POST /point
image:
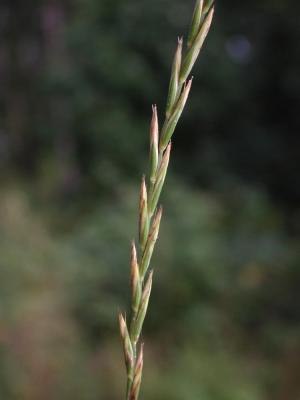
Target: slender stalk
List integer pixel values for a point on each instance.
(149, 212)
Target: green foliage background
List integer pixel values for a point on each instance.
(77, 82)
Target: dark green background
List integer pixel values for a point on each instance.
(77, 82)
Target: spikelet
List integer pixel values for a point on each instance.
(194, 51)
(139, 320)
(143, 214)
(153, 235)
(161, 175)
(153, 144)
(137, 379)
(196, 21)
(127, 346)
(136, 286)
(174, 81)
(170, 125)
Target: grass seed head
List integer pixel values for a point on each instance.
(149, 215)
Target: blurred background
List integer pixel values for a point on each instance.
(77, 82)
